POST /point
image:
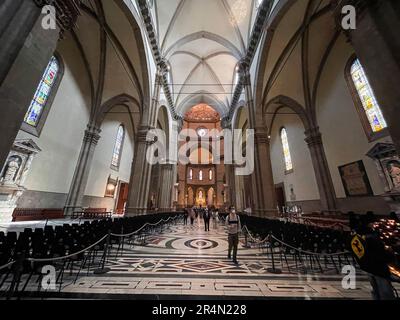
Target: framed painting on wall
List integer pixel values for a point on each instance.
(355, 180)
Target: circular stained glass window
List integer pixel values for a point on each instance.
(202, 132)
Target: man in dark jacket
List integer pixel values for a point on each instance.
(207, 217)
(185, 216)
(374, 258)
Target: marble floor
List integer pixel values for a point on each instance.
(185, 262)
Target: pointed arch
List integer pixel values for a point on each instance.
(204, 35)
(279, 102)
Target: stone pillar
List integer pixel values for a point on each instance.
(140, 176)
(230, 180)
(262, 181)
(17, 18)
(141, 168)
(264, 200)
(321, 169)
(239, 205)
(182, 186)
(82, 170)
(376, 42)
(25, 51)
(167, 186)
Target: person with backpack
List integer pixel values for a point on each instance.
(373, 258)
(234, 227)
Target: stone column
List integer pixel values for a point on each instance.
(376, 42)
(321, 169)
(238, 193)
(141, 168)
(264, 200)
(17, 18)
(82, 170)
(167, 186)
(182, 186)
(230, 185)
(140, 176)
(263, 188)
(25, 51)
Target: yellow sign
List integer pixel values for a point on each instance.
(357, 247)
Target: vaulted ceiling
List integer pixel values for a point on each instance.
(203, 40)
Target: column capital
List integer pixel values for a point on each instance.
(261, 135)
(162, 67)
(179, 124)
(92, 135)
(226, 123)
(159, 78)
(143, 134)
(313, 137)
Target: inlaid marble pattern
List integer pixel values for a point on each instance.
(185, 261)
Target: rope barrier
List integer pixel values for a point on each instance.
(307, 221)
(145, 225)
(7, 265)
(309, 252)
(268, 238)
(258, 242)
(101, 240)
(70, 255)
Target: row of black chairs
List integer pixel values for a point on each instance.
(27, 249)
(310, 248)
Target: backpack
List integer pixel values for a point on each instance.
(358, 247)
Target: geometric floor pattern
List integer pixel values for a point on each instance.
(185, 262)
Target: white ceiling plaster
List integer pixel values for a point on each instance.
(203, 41)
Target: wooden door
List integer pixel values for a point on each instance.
(280, 196)
(122, 198)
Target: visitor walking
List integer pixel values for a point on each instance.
(215, 218)
(207, 217)
(185, 216)
(234, 227)
(192, 215)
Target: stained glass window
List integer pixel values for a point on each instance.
(202, 132)
(118, 147)
(42, 93)
(367, 97)
(286, 150)
(201, 175)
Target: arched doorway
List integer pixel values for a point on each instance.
(201, 199)
(210, 196)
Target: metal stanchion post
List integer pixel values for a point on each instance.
(17, 272)
(103, 269)
(273, 269)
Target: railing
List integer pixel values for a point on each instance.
(88, 257)
(281, 253)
